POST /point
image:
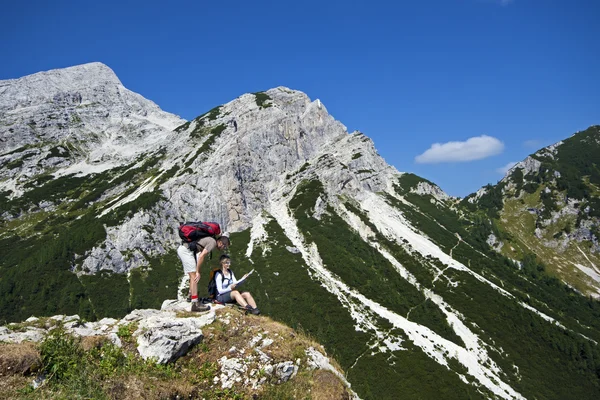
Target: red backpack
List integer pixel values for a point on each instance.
(193, 231)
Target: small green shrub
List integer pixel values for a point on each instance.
(110, 358)
(125, 332)
(214, 113)
(208, 371)
(261, 99)
(15, 164)
(61, 355)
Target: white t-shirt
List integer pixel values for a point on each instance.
(224, 283)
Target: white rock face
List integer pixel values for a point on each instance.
(271, 147)
(165, 338)
(481, 192)
(529, 166)
(285, 371)
(425, 188)
(30, 335)
(160, 334)
(248, 164)
(292, 140)
(78, 119)
(232, 371)
(493, 241)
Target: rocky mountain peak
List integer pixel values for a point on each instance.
(75, 120)
(52, 85)
(264, 142)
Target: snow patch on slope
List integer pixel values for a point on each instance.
(147, 186)
(257, 234)
(362, 310)
(394, 225)
(474, 357)
(83, 168)
(589, 272)
(359, 313)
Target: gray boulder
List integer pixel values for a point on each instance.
(165, 338)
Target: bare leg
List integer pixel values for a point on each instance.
(248, 297)
(238, 298)
(193, 286)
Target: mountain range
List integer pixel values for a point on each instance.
(416, 294)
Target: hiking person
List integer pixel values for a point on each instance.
(192, 256)
(226, 287)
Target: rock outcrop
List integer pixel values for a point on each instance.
(247, 354)
(74, 120)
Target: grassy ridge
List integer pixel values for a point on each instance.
(541, 351)
(530, 208)
(362, 268)
(552, 363)
(408, 374)
(284, 290)
(95, 368)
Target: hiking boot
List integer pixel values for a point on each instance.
(254, 311)
(197, 307)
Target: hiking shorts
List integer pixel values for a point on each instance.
(187, 259)
(225, 298)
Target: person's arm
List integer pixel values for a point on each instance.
(233, 281)
(219, 282)
(201, 258)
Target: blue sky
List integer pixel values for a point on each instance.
(452, 90)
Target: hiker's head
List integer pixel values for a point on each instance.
(225, 261)
(223, 243)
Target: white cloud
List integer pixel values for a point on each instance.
(504, 170)
(475, 148)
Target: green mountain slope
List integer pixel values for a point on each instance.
(539, 350)
(549, 206)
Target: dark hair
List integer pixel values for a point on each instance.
(224, 257)
(224, 240)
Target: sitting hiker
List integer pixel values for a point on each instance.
(193, 258)
(226, 287)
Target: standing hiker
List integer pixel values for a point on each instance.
(227, 287)
(192, 255)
